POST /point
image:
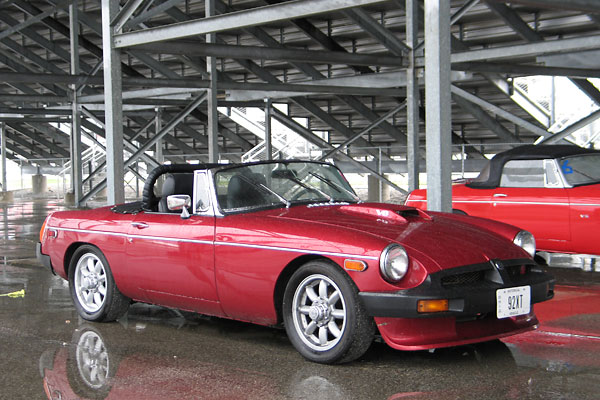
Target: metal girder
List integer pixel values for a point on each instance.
(3, 147)
(591, 6)
(147, 14)
(375, 29)
(113, 104)
(568, 131)
(126, 11)
(194, 48)
(146, 146)
(588, 88)
(526, 70)
(486, 120)
(499, 111)
(438, 119)
(237, 20)
(30, 146)
(30, 21)
(513, 20)
(529, 49)
(458, 14)
(364, 131)
(412, 96)
(311, 137)
(38, 139)
(57, 26)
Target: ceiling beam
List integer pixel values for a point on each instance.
(225, 51)
(237, 20)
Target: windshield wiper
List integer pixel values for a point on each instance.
(267, 189)
(337, 187)
(312, 188)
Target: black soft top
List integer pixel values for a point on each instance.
(528, 152)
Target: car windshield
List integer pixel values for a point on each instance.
(581, 170)
(280, 183)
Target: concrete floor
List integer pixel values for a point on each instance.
(46, 351)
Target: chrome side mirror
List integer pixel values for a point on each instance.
(178, 202)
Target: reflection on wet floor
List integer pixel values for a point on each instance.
(154, 352)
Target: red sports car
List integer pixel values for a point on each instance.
(552, 191)
(289, 242)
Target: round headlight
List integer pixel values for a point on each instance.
(393, 263)
(526, 241)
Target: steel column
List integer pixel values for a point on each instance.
(3, 151)
(213, 115)
(268, 141)
(159, 143)
(113, 104)
(412, 95)
(75, 146)
(438, 105)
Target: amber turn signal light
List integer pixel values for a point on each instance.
(42, 230)
(430, 306)
(355, 265)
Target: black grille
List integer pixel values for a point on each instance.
(514, 271)
(465, 278)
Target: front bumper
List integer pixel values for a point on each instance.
(43, 258)
(470, 291)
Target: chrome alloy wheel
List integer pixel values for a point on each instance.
(90, 282)
(319, 312)
(92, 360)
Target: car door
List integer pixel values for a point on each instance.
(172, 259)
(531, 196)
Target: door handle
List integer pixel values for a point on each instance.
(140, 225)
(500, 195)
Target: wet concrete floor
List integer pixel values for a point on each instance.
(46, 351)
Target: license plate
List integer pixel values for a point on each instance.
(513, 301)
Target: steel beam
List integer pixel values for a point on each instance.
(213, 114)
(412, 95)
(3, 155)
(526, 70)
(192, 48)
(568, 131)
(590, 6)
(311, 137)
(438, 118)
(376, 30)
(500, 112)
(113, 106)
(268, 138)
(530, 49)
(76, 148)
(238, 20)
(364, 131)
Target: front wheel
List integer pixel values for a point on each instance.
(323, 316)
(93, 288)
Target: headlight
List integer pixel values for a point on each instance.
(393, 263)
(526, 241)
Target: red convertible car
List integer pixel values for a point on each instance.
(289, 242)
(552, 191)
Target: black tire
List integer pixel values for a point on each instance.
(93, 287)
(321, 298)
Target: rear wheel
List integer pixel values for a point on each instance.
(93, 288)
(324, 318)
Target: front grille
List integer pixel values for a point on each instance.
(466, 278)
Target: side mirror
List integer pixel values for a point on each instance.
(178, 202)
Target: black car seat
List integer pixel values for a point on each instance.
(241, 192)
(180, 183)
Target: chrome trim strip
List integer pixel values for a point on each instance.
(288, 249)
(219, 243)
(512, 202)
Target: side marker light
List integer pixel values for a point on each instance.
(355, 265)
(431, 306)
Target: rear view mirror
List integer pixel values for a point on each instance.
(178, 202)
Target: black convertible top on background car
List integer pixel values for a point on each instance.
(490, 175)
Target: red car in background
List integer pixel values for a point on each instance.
(289, 242)
(552, 191)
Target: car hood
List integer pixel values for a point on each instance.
(438, 240)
